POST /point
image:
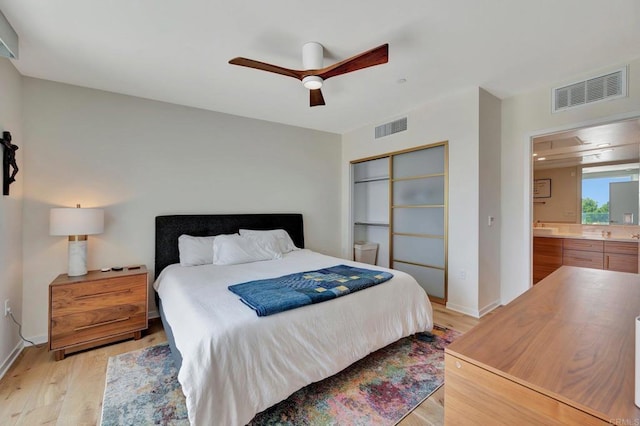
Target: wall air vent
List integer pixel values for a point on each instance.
(596, 89)
(391, 128)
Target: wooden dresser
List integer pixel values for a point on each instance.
(561, 353)
(96, 308)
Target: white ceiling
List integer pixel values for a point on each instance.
(177, 51)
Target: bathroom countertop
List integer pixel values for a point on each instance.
(537, 232)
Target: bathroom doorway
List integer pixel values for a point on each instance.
(585, 187)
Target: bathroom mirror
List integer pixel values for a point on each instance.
(588, 176)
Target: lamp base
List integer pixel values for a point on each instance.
(77, 255)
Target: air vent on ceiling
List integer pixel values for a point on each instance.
(391, 128)
(596, 89)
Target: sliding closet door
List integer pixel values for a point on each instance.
(419, 217)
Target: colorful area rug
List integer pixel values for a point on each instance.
(381, 389)
(142, 389)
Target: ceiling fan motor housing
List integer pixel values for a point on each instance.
(312, 57)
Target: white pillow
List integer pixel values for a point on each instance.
(284, 240)
(235, 249)
(195, 250)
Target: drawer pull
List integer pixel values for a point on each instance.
(104, 293)
(102, 323)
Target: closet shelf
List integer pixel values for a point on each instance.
(372, 224)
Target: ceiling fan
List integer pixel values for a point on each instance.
(313, 75)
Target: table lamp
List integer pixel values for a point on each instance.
(76, 224)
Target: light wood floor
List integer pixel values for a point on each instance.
(38, 390)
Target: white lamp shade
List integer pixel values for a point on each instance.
(76, 221)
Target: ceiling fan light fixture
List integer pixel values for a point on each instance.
(312, 82)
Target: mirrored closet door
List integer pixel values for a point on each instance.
(400, 203)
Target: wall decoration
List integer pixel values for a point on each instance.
(9, 164)
(542, 188)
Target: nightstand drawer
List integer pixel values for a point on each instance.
(83, 327)
(77, 298)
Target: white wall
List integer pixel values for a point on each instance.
(138, 158)
(489, 202)
(563, 204)
(11, 215)
(455, 119)
(529, 115)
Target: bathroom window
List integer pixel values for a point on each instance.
(610, 195)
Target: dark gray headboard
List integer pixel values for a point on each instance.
(169, 228)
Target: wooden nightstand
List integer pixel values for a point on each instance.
(96, 309)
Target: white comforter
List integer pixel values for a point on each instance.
(236, 364)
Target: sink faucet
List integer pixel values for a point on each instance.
(636, 236)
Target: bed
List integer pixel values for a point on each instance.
(234, 364)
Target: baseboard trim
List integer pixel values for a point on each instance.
(490, 307)
(463, 310)
(474, 312)
(37, 340)
(153, 314)
(11, 359)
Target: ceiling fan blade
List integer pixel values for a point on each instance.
(250, 63)
(376, 56)
(315, 97)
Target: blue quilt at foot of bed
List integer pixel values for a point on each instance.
(274, 295)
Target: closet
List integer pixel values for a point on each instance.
(400, 202)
